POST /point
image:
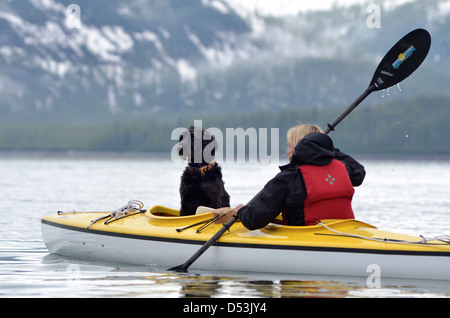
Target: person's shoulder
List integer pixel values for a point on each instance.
(287, 171)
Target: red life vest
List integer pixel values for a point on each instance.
(329, 192)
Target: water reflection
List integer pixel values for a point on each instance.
(106, 280)
(231, 286)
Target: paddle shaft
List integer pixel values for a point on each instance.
(211, 241)
(387, 74)
(226, 226)
(349, 109)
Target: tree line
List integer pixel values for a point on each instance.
(415, 126)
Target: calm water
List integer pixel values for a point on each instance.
(405, 196)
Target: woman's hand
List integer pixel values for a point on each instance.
(236, 209)
(225, 214)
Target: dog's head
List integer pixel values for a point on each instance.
(197, 146)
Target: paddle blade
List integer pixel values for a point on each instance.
(402, 60)
(179, 269)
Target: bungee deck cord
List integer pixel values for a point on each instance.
(442, 238)
(131, 208)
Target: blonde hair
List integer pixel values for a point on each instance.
(295, 134)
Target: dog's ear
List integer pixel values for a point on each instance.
(180, 151)
(184, 144)
(214, 142)
(209, 147)
(179, 146)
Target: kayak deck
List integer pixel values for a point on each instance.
(165, 223)
(161, 238)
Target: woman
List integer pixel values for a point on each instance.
(316, 184)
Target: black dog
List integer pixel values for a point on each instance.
(201, 181)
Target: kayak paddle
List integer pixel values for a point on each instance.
(399, 63)
(184, 267)
(211, 241)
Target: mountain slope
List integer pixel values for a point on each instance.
(164, 58)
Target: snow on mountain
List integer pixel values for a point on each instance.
(143, 58)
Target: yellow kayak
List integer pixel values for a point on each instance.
(160, 237)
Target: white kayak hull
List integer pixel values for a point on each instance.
(161, 252)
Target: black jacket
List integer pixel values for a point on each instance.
(287, 192)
